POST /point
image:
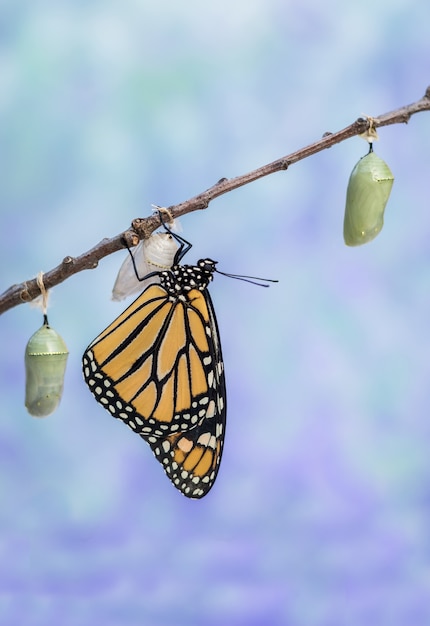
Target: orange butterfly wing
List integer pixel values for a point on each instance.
(158, 367)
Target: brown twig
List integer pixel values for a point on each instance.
(143, 227)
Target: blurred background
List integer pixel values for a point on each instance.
(320, 515)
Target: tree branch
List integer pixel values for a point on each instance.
(141, 228)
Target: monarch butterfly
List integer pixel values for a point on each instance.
(45, 365)
(369, 188)
(158, 251)
(158, 367)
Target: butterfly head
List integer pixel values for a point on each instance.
(207, 267)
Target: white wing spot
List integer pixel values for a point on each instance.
(185, 444)
(211, 409)
(207, 440)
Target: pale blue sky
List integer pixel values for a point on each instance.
(320, 513)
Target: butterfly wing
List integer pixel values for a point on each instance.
(158, 367)
(191, 459)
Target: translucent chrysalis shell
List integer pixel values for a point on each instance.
(45, 365)
(369, 188)
(153, 254)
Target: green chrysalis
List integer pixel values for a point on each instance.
(45, 365)
(369, 188)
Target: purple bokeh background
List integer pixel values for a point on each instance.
(321, 511)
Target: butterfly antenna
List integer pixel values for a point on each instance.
(254, 280)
